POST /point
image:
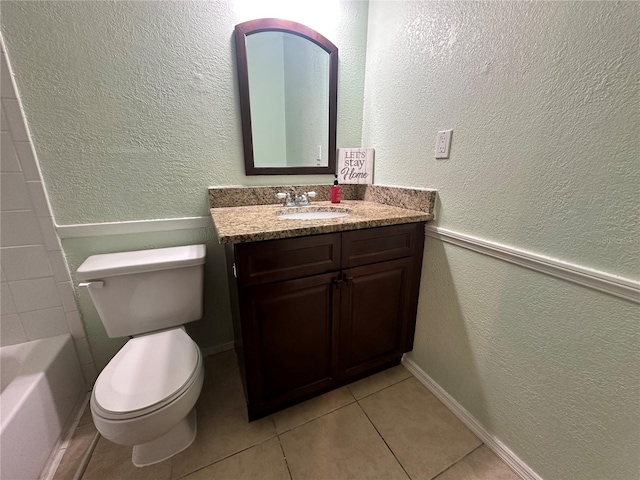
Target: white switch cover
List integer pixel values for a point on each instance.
(443, 143)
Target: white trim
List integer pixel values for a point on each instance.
(499, 448)
(601, 281)
(604, 282)
(223, 347)
(135, 226)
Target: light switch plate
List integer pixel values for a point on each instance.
(443, 143)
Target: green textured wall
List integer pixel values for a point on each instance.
(543, 101)
(134, 106)
(134, 111)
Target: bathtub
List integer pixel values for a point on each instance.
(41, 386)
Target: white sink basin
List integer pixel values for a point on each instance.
(312, 213)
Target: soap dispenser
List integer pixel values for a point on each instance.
(335, 191)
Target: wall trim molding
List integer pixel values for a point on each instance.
(604, 282)
(135, 226)
(491, 441)
(597, 280)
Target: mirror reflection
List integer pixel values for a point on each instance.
(287, 74)
(289, 95)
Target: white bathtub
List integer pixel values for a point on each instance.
(41, 386)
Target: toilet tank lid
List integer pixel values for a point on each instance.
(140, 261)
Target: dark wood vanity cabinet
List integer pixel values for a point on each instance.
(290, 330)
(377, 309)
(313, 313)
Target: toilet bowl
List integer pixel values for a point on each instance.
(138, 400)
(146, 395)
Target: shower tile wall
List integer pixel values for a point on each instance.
(37, 298)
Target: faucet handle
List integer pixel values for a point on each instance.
(286, 197)
(311, 194)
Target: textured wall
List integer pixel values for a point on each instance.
(134, 108)
(134, 105)
(549, 367)
(134, 111)
(543, 99)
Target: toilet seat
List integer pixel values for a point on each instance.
(148, 373)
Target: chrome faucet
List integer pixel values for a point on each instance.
(297, 200)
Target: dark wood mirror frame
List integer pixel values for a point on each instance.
(242, 30)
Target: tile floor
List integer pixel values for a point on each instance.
(387, 426)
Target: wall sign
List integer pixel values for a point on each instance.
(355, 165)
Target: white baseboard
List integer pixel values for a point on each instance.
(223, 347)
(499, 448)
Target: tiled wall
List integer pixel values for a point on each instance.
(37, 298)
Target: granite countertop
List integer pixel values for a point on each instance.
(239, 215)
(261, 222)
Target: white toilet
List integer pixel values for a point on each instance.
(145, 396)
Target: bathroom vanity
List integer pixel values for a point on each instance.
(313, 312)
(324, 295)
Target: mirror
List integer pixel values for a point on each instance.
(288, 79)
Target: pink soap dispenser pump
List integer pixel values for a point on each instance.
(335, 191)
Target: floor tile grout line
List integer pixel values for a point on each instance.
(286, 462)
(355, 401)
(315, 418)
(435, 477)
(441, 471)
(225, 457)
(278, 435)
(385, 442)
(384, 388)
(266, 440)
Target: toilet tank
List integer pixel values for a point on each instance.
(147, 290)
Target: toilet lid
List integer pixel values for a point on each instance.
(146, 371)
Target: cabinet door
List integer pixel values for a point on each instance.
(376, 307)
(291, 336)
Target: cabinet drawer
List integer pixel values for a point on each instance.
(276, 260)
(362, 247)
